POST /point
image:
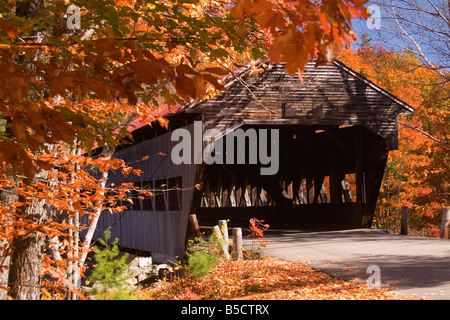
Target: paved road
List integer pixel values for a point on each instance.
(414, 266)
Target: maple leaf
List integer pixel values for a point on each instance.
(8, 28)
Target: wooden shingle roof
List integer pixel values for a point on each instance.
(332, 94)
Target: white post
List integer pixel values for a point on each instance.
(224, 230)
(218, 234)
(237, 244)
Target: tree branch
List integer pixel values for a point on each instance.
(419, 129)
(241, 81)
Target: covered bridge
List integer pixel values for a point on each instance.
(323, 143)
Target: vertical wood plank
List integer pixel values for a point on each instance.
(405, 220)
(359, 168)
(237, 244)
(318, 183)
(335, 185)
(310, 190)
(445, 223)
(194, 223)
(224, 231)
(218, 234)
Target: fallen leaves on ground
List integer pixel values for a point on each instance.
(264, 279)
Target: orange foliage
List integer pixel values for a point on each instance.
(417, 174)
(70, 190)
(266, 279)
(80, 89)
(141, 55)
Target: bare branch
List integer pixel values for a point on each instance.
(418, 27)
(241, 81)
(419, 129)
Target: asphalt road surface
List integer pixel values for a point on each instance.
(413, 266)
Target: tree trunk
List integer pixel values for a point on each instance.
(26, 267)
(25, 278)
(95, 218)
(4, 273)
(27, 256)
(106, 153)
(6, 197)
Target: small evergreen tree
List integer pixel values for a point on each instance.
(205, 257)
(111, 271)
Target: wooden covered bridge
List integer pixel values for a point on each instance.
(329, 135)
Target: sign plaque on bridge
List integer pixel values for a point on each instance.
(302, 109)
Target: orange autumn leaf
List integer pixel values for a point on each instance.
(8, 28)
(126, 171)
(264, 279)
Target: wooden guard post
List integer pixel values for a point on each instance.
(405, 220)
(237, 244)
(445, 223)
(194, 225)
(224, 231)
(224, 246)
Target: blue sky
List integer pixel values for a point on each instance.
(360, 26)
(430, 38)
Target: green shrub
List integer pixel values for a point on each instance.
(111, 271)
(204, 257)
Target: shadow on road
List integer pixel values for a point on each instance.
(405, 262)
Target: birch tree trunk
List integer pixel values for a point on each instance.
(6, 198)
(107, 153)
(73, 273)
(4, 272)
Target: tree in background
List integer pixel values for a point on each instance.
(418, 33)
(418, 27)
(417, 174)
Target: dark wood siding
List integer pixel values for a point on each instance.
(160, 231)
